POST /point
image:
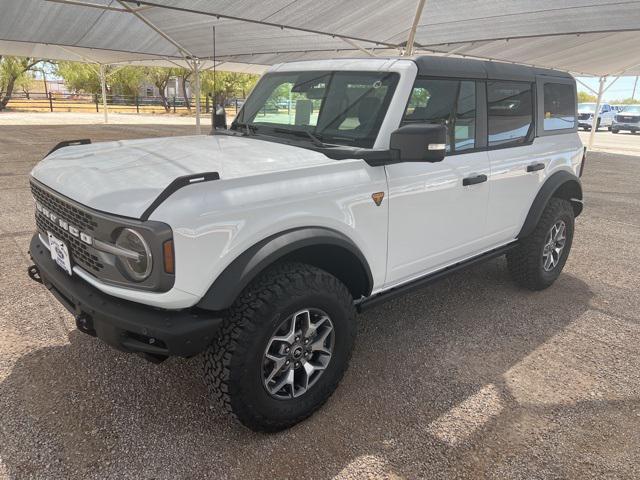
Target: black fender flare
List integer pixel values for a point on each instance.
(248, 265)
(561, 184)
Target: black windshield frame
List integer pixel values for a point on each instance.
(329, 117)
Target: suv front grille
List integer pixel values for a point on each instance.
(81, 253)
(83, 220)
(627, 119)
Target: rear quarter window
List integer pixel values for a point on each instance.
(559, 106)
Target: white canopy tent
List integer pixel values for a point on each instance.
(585, 37)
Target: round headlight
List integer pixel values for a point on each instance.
(137, 268)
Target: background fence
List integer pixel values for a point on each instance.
(56, 102)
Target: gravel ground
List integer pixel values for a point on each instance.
(470, 378)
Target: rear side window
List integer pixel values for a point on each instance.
(448, 102)
(559, 106)
(510, 112)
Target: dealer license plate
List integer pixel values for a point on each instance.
(60, 253)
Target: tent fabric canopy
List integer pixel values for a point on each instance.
(587, 37)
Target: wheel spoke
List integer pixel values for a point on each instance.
(289, 337)
(312, 328)
(287, 379)
(278, 363)
(318, 344)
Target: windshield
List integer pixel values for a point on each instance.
(586, 107)
(343, 108)
(631, 109)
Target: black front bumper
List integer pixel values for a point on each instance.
(626, 126)
(125, 325)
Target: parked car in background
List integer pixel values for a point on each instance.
(627, 119)
(585, 115)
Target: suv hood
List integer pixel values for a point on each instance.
(125, 177)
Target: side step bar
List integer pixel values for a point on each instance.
(374, 300)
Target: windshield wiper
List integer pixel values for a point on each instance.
(302, 133)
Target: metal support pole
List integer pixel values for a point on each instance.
(596, 112)
(412, 33)
(196, 72)
(635, 84)
(103, 84)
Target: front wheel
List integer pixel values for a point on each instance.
(539, 258)
(615, 130)
(283, 347)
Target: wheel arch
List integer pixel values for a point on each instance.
(561, 184)
(318, 246)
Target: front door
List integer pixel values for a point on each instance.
(437, 211)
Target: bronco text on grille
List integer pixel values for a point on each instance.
(69, 224)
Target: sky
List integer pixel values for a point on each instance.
(620, 90)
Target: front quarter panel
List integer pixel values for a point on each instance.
(215, 222)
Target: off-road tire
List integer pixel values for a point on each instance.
(525, 262)
(233, 362)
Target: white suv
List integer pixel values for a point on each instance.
(605, 118)
(256, 246)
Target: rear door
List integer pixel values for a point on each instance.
(530, 127)
(435, 219)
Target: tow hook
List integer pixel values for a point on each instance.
(34, 274)
(84, 323)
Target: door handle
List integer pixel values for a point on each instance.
(474, 180)
(534, 167)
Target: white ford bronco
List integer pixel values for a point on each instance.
(340, 184)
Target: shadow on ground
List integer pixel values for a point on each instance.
(430, 389)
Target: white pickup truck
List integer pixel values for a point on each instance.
(256, 246)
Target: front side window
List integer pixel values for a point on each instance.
(510, 112)
(559, 106)
(343, 108)
(448, 102)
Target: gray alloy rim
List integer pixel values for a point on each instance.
(298, 353)
(554, 245)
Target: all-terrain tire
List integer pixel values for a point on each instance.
(233, 363)
(525, 262)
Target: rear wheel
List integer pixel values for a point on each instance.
(283, 347)
(539, 258)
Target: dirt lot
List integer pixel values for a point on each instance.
(470, 378)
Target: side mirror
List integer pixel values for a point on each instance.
(420, 142)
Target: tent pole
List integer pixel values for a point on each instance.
(408, 51)
(103, 85)
(596, 112)
(196, 72)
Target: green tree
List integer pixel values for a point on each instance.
(226, 85)
(85, 77)
(185, 75)
(160, 76)
(79, 77)
(584, 97)
(12, 70)
(126, 80)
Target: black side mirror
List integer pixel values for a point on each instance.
(419, 142)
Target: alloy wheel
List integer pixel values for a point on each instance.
(554, 245)
(298, 353)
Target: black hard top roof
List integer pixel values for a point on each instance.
(470, 68)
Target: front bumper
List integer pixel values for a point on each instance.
(632, 127)
(125, 325)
